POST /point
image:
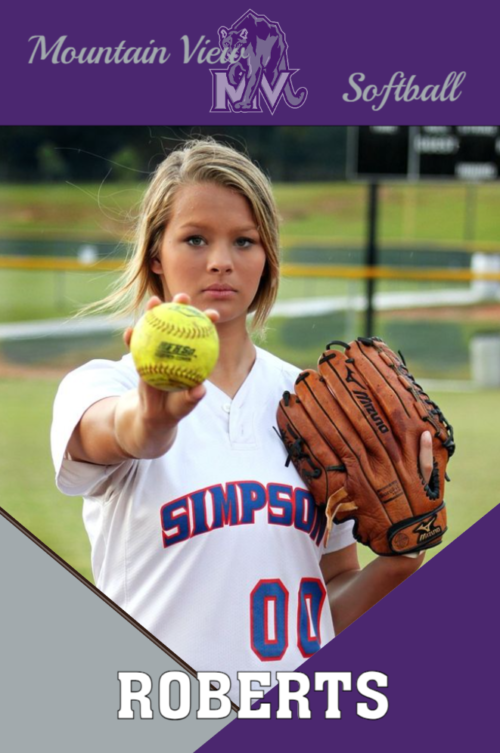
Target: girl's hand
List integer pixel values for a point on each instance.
(159, 412)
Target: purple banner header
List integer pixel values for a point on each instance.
(237, 64)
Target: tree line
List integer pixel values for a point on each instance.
(58, 153)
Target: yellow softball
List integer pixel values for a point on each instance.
(174, 346)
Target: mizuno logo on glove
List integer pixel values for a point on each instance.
(365, 400)
(427, 529)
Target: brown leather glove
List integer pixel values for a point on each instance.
(353, 433)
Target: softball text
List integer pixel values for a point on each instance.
(405, 90)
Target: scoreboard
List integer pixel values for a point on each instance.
(470, 153)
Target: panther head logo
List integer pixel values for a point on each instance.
(261, 68)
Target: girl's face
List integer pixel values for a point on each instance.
(212, 250)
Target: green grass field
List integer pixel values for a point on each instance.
(427, 211)
(323, 222)
(28, 492)
(27, 485)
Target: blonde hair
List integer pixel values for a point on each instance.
(198, 161)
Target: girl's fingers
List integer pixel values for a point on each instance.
(127, 335)
(213, 315)
(196, 393)
(180, 404)
(425, 457)
(153, 301)
(181, 298)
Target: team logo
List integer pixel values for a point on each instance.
(366, 402)
(427, 529)
(171, 350)
(258, 53)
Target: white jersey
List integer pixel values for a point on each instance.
(215, 546)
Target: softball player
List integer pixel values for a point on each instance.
(198, 528)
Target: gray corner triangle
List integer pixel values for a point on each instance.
(61, 649)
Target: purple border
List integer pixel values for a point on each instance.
(436, 636)
(326, 44)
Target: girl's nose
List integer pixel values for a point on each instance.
(220, 259)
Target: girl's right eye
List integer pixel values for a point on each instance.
(195, 240)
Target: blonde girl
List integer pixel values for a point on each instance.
(198, 529)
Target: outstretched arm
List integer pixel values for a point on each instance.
(141, 423)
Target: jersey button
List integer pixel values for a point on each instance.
(227, 407)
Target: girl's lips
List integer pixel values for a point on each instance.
(219, 293)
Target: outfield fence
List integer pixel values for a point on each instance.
(434, 314)
(334, 271)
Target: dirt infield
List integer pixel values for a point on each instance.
(486, 313)
(16, 371)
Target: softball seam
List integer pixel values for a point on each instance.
(171, 372)
(189, 333)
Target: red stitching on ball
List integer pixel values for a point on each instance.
(177, 371)
(195, 331)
